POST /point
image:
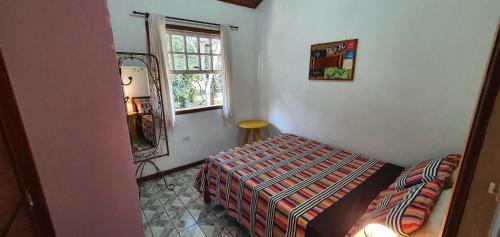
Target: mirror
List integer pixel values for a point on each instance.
(142, 91)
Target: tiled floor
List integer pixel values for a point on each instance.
(182, 212)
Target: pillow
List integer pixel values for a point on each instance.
(143, 105)
(439, 168)
(453, 179)
(434, 224)
(404, 211)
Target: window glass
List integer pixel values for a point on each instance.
(217, 63)
(216, 46)
(206, 62)
(192, 44)
(204, 45)
(180, 62)
(177, 43)
(197, 90)
(195, 64)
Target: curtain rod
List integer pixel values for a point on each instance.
(146, 14)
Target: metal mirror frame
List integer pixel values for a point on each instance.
(152, 66)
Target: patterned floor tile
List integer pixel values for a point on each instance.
(174, 234)
(195, 169)
(144, 201)
(215, 231)
(148, 232)
(153, 191)
(188, 196)
(169, 199)
(144, 221)
(175, 178)
(153, 211)
(186, 175)
(181, 188)
(194, 231)
(182, 212)
(181, 218)
(230, 224)
(210, 225)
(197, 204)
(147, 191)
(162, 226)
(161, 187)
(219, 211)
(172, 204)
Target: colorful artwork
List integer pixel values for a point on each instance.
(333, 61)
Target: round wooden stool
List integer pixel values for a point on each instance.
(254, 125)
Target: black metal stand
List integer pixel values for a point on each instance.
(152, 65)
(143, 164)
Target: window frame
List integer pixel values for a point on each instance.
(187, 31)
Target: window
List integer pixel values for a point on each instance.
(195, 62)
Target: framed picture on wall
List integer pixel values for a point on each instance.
(333, 61)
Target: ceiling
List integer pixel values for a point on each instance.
(245, 3)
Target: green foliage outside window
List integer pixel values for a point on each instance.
(197, 90)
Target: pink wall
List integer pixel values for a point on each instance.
(60, 58)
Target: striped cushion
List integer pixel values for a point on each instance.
(404, 211)
(439, 168)
(143, 105)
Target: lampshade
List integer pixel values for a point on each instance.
(130, 109)
(378, 230)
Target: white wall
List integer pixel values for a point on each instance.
(207, 130)
(140, 84)
(418, 71)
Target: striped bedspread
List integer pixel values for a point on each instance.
(148, 129)
(277, 186)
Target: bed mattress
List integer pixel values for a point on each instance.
(148, 129)
(288, 185)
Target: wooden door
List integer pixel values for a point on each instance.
(14, 220)
(481, 206)
(473, 208)
(23, 210)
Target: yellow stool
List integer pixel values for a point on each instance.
(254, 125)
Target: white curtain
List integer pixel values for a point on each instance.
(225, 35)
(158, 44)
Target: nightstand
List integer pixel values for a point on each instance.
(255, 126)
(132, 127)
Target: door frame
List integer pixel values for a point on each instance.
(477, 133)
(21, 156)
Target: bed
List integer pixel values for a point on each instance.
(148, 130)
(289, 185)
(142, 105)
